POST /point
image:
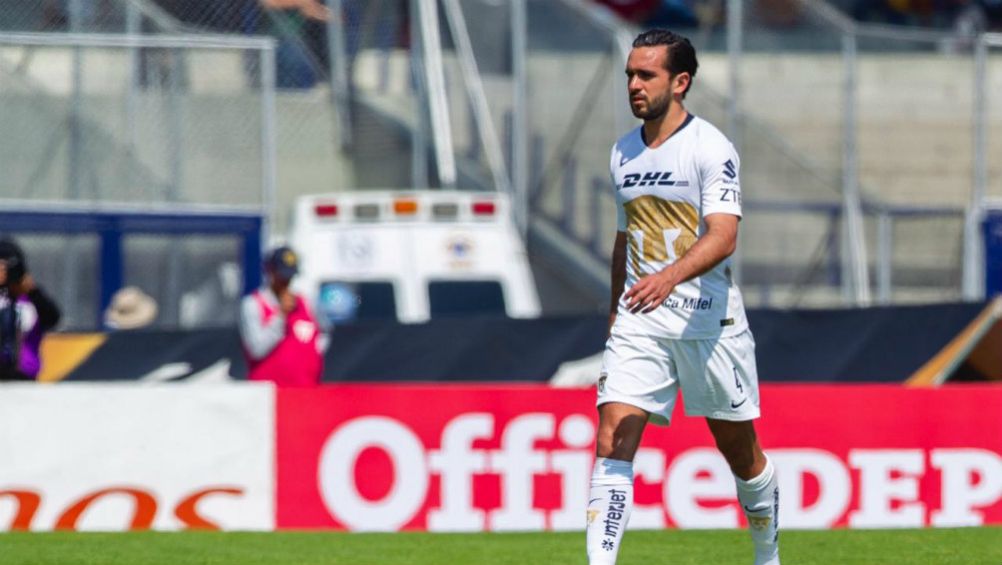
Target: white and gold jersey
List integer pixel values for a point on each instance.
(663, 195)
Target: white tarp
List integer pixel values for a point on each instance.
(111, 457)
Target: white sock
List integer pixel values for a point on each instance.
(759, 497)
(609, 504)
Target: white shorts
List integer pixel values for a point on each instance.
(717, 376)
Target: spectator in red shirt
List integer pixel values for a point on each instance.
(279, 333)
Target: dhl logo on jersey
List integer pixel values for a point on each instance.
(656, 178)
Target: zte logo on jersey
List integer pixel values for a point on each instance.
(730, 195)
(658, 178)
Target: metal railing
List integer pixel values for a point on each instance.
(830, 131)
(983, 142)
(881, 70)
(154, 125)
(527, 96)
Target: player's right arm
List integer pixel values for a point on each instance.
(618, 278)
(259, 337)
(618, 270)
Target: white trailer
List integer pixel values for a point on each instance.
(412, 256)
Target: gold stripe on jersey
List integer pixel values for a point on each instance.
(659, 221)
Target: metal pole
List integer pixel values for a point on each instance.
(885, 256)
(973, 277)
(438, 103)
(112, 247)
(75, 13)
(269, 169)
(123, 41)
(622, 118)
(175, 131)
(338, 55)
(854, 269)
(74, 172)
(419, 133)
(520, 115)
(133, 23)
(735, 40)
(175, 125)
(477, 96)
(622, 43)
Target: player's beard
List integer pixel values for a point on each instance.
(656, 108)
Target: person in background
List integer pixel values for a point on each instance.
(279, 333)
(300, 26)
(26, 313)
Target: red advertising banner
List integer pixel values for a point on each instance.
(475, 458)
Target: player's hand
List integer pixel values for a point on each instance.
(312, 9)
(288, 302)
(649, 292)
(315, 10)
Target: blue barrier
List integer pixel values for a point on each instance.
(993, 252)
(112, 226)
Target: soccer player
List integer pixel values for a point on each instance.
(681, 320)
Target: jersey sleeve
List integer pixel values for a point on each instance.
(719, 168)
(620, 211)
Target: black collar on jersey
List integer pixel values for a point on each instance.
(685, 122)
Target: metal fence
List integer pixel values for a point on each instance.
(308, 150)
(100, 122)
(987, 185)
(858, 148)
(137, 120)
(866, 150)
(890, 114)
(430, 94)
(193, 265)
(791, 252)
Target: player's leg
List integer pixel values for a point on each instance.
(757, 486)
(620, 428)
(720, 382)
(637, 384)
(610, 498)
(738, 444)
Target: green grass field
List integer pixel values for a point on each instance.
(974, 546)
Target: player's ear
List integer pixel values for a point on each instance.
(680, 83)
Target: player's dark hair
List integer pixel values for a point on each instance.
(13, 258)
(681, 54)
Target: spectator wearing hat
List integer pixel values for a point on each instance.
(278, 331)
(26, 314)
(130, 309)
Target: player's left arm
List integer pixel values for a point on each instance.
(712, 247)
